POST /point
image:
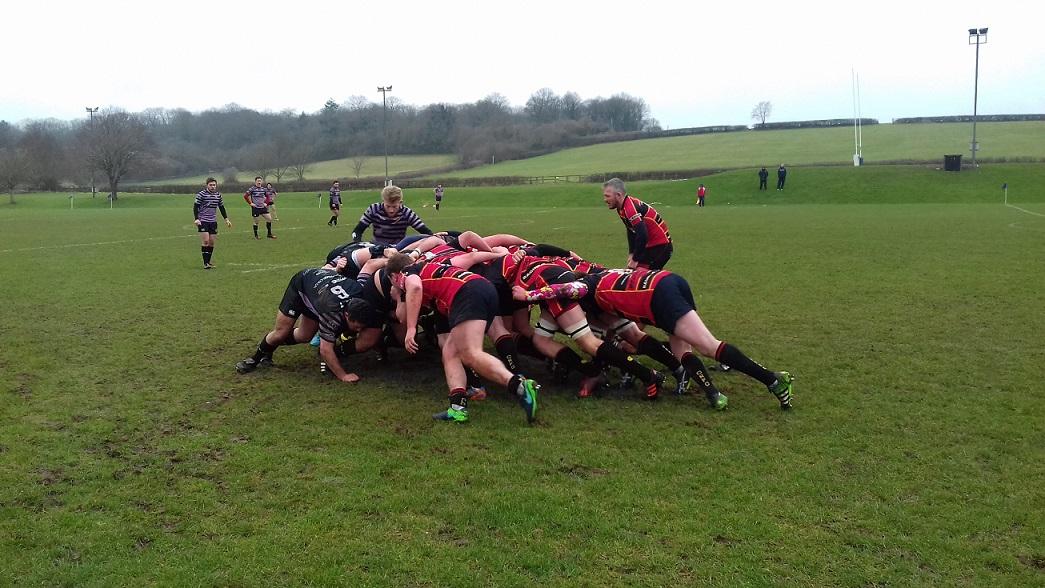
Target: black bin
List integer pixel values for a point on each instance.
(952, 162)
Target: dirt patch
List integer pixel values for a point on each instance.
(582, 471)
(1033, 561)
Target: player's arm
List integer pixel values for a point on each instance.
(329, 356)
(413, 309)
(570, 290)
(224, 215)
(467, 260)
(416, 222)
(246, 198)
(639, 242)
(196, 213)
(361, 226)
(545, 250)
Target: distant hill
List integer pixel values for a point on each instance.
(883, 143)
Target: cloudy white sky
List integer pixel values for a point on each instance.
(694, 63)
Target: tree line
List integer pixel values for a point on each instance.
(116, 145)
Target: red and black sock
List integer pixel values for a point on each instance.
(474, 381)
(458, 399)
(736, 359)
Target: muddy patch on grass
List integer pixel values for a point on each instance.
(1033, 561)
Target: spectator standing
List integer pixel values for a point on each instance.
(763, 178)
(702, 191)
(781, 175)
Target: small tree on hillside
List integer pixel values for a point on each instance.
(358, 161)
(761, 112)
(302, 159)
(114, 145)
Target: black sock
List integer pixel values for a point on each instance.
(458, 400)
(206, 255)
(514, 385)
(474, 381)
(696, 370)
(255, 230)
(568, 358)
(615, 357)
(736, 359)
(508, 352)
(268, 227)
(657, 351)
(335, 221)
(525, 345)
(265, 349)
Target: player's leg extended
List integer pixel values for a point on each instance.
(467, 336)
(280, 333)
(574, 323)
(691, 329)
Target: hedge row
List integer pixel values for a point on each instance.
(966, 118)
(813, 124)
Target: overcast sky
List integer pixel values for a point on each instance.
(694, 65)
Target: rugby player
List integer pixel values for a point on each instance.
(257, 197)
(467, 305)
(271, 193)
(335, 203)
(649, 243)
(390, 218)
(206, 221)
(316, 299)
(664, 300)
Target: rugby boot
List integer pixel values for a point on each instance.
(527, 392)
(652, 388)
(455, 415)
(782, 389)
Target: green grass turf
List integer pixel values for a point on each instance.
(921, 142)
(335, 168)
(908, 302)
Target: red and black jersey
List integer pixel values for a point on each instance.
(440, 283)
(535, 273)
(585, 267)
(628, 293)
(634, 211)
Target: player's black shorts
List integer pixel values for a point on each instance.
(672, 299)
(335, 206)
(475, 301)
(292, 305)
(208, 227)
(256, 212)
(657, 257)
(506, 305)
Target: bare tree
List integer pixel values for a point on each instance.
(114, 145)
(303, 156)
(761, 112)
(358, 161)
(14, 169)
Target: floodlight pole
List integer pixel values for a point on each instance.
(976, 37)
(384, 122)
(91, 111)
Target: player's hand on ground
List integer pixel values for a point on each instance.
(349, 378)
(408, 341)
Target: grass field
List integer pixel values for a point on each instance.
(921, 142)
(907, 301)
(335, 168)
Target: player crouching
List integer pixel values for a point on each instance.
(468, 304)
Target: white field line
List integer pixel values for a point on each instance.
(262, 267)
(1024, 210)
(123, 241)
